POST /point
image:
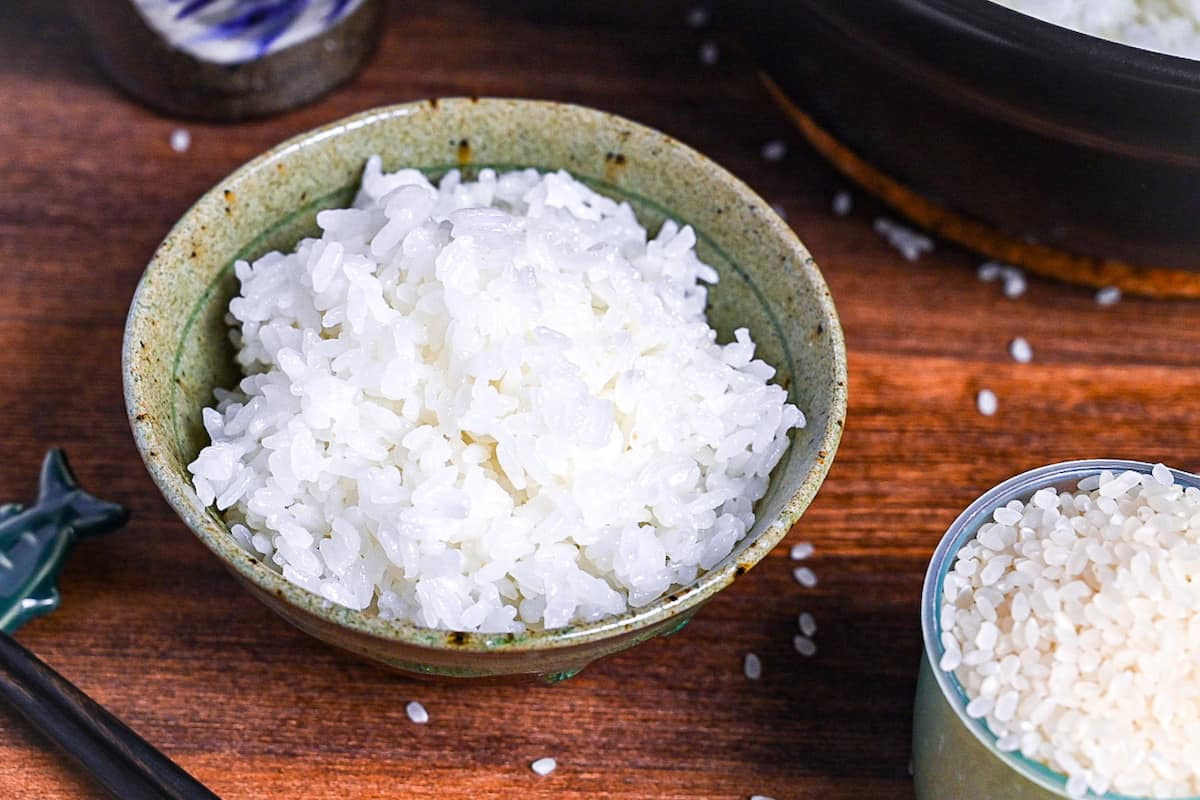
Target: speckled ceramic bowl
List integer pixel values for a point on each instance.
(177, 350)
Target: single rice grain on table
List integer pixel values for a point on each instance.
(697, 17)
(752, 666)
(804, 645)
(416, 712)
(1108, 296)
(774, 150)
(987, 402)
(1020, 350)
(488, 406)
(805, 577)
(801, 550)
(991, 270)
(544, 766)
(1014, 284)
(181, 140)
(843, 203)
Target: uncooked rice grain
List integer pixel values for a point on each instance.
(752, 666)
(774, 150)
(801, 551)
(181, 140)
(488, 406)
(416, 712)
(991, 270)
(1109, 295)
(986, 402)
(910, 244)
(544, 766)
(805, 577)
(1014, 283)
(1020, 350)
(843, 203)
(1012, 278)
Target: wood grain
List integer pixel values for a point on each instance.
(153, 628)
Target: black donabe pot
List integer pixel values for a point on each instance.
(1045, 135)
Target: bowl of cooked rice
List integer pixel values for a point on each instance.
(1054, 134)
(484, 388)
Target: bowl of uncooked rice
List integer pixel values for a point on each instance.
(1062, 631)
(482, 388)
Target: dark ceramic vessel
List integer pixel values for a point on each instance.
(148, 67)
(1012, 135)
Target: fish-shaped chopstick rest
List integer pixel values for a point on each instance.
(34, 541)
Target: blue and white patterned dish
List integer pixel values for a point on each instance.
(236, 31)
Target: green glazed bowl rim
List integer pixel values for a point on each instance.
(962, 530)
(183, 501)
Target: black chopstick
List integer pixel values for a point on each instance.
(121, 761)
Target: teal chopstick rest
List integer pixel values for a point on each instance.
(35, 541)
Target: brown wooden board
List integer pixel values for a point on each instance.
(153, 627)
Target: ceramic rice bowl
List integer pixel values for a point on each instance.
(177, 349)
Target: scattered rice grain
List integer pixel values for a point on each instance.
(843, 203)
(1014, 283)
(910, 244)
(181, 140)
(991, 270)
(416, 712)
(544, 766)
(805, 577)
(1108, 296)
(801, 551)
(804, 645)
(1020, 350)
(774, 150)
(752, 666)
(986, 402)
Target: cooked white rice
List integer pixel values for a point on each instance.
(486, 406)
(1165, 26)
(1071, 622)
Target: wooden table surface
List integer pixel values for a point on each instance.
(154, 628)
